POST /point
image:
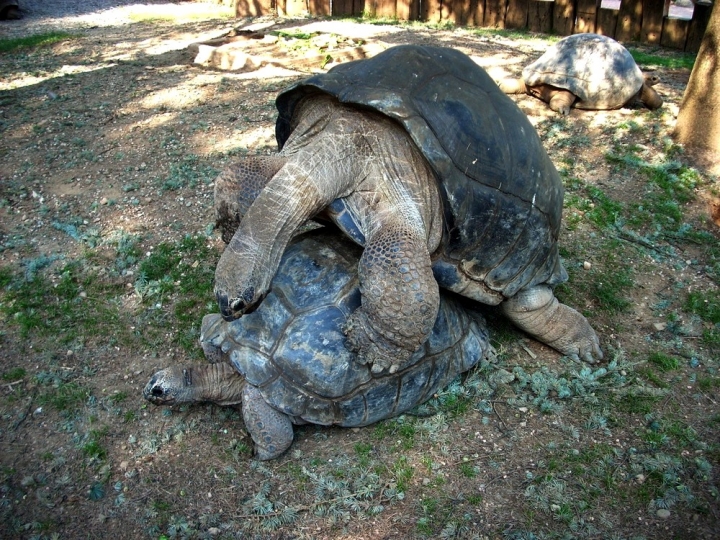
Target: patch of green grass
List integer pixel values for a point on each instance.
(14, 374)
(653, 377)
(704, 305)
(605, 211)
(674, 61)
(36, 40)
(73, 298)
(663, 361)
(181, 273)
(637, 403)
(468, 470)
(64, 396)
(610, 281)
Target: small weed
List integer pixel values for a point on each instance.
(117, 397)
(403, 472)
(468, 470)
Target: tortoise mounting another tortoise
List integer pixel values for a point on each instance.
(418, 157)
(286, 363)
(586, 71)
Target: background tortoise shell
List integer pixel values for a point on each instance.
(597, 69)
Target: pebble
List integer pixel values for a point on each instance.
(659, 326)
(104, 201)
(663, 513)
(587, 265)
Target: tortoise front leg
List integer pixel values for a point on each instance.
(271, 430)
(561, 101)
(540, 314)
(237, 187)
(400, 299)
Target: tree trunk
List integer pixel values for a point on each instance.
(698, 123)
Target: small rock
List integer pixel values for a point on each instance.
(69, 353)
(587, 265)
(425, 481)
(213, 531)
(124, 465)
(660, 326)
(663, 513)
(640, 478)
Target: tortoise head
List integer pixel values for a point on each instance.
(170, 386)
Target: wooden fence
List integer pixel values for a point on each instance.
(635, 20)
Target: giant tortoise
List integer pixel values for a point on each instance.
(286, 363)
(419, 157)
(586, 71)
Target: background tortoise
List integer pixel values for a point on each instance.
(419, 157)
(587, 71)
(288, 362)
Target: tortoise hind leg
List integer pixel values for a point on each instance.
(237, 187)
(512, 86)
(540, 314)
(271, 430)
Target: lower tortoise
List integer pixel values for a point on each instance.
(287, 362)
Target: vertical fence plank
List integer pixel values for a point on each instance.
(407, 10)
(460, 12)
(585, 18)
(342, 8)
(319, 7)
(254, 8)
(696, 31)
(629, 20)
(540, 16)
(291, 8)
(674, 33)
(431, 11)
(564, 17)
(653, 12)
(517, 14)
(479, 12)
(383, 8)
(495, 13)
(607, 22)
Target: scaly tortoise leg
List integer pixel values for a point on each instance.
(400, 299)
(561, 101)
(271, 430)
(540, 314)
(237, 187)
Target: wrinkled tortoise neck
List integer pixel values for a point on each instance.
(650, 98)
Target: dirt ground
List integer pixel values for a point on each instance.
(115, 133)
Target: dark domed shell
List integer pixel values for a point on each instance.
(597, 69)
(503, 196)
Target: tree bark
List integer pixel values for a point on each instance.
(698, 123)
